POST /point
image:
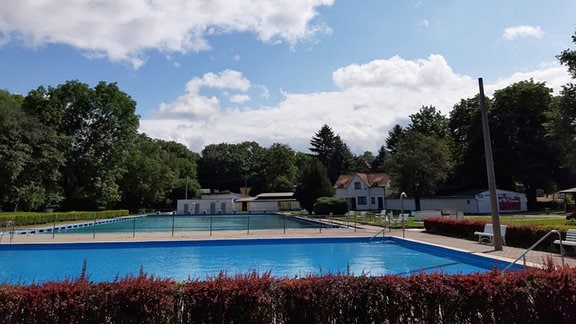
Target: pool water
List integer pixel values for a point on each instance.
(181, 260)
(167, 223)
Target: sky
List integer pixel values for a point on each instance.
(208, 72)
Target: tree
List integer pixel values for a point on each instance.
(29, 158)
(364, 163)
(561, 130)
(323, 144)
(231, 166)
(313, 184)
(341, 160)
(568, 58)
(279, 169)
(467, 146)
(522, 153)
(419, 165)
(378, 162)
(429, 121)
(98, 126)
(394, 136)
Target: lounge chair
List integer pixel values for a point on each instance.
(487, 236)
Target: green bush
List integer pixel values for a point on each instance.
(327, 205)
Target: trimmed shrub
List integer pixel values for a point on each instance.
(531, 296)
(327, 205)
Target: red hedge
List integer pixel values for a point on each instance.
(531, 296)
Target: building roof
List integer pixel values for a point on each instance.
(379, 179)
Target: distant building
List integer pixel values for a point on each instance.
(269, 202)
(219, 203)
(363, 191)
(469, 202)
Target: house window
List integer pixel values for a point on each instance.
(362, 200)
(357, 185)
(372, 200)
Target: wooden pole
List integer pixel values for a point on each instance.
(490, 170)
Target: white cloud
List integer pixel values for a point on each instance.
(122, 30)
(373, 97)
(193, 105)
(512, 33)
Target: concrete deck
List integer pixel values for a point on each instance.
(534, 258)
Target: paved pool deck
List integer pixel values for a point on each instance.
(354, 230)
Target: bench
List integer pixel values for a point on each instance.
(570, 238)
(488, 234)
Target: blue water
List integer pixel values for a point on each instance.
(181, 260)
(167, 223)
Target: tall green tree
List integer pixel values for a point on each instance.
(419, 165)
(231, 166)
(322, 144)
(467, 146)
(429, 121)
(568, 58)
(561, 130)
(394, 136)
(99, 125)
(379, 160)
(341, 160)
(29, 159)
(522, 153)
(279, 169)
(313, 184)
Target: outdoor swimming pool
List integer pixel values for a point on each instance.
(181, 260)
(181, 223)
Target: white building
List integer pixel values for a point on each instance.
(471, 202)
(268, 202)
(223, 203)
(363, 191)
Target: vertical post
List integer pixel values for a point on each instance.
(402, 196)
(94, 227)
(490, 170)
(54, 226)
(173, 221)
(133, 227)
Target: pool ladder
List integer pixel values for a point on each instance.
(523, 255)
(9, 229)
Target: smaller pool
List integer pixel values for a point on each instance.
(183, 223)
(181, 260)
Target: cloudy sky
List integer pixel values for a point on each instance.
(205, 72)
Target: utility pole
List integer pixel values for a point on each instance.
(490, 170)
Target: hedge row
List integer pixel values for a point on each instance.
(27, 219)
(521, 236)
(531, 296)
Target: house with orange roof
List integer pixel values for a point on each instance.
(363, 191)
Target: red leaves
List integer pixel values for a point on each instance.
(531, 296)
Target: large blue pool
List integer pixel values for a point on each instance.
(181, 260)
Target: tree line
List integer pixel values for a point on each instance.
(73, 147)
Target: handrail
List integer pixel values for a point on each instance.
(523, 255)
(9, 230)
(381, 231)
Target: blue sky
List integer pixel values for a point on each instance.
(276, 71)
